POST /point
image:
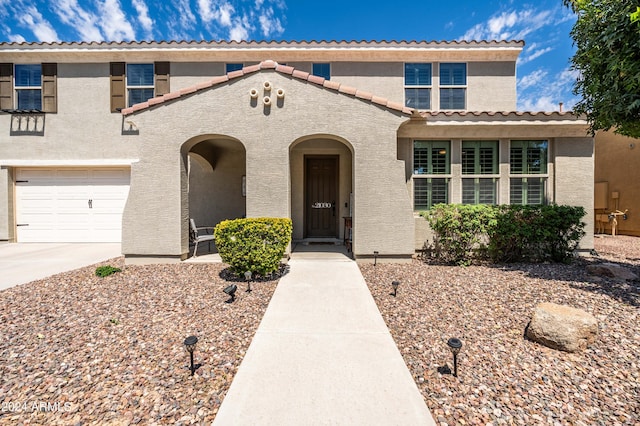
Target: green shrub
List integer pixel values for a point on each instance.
(104, 271)
(461, 230)
(536, 233)
(507, 233)
(253, 244)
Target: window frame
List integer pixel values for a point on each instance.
(429, 175)
(321, 71)
(18, 88)
(452, 86)
(478, 173)
(418, 86)
(542, 176)
(141, 87)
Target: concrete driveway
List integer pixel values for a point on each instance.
(24, 262)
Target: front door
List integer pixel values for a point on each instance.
(321, 196)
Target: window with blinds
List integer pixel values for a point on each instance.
(431, 160)
(480, 158)
(140, 83)
(417, 85)
(528, 157)
(321, 70)
(453, 82)
(28, 86)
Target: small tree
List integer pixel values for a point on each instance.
(607, 37)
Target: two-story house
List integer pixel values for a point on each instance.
(127, 141)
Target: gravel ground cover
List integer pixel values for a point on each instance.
(77, 349)
(502, 377)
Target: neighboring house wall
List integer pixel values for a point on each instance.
(617, 162)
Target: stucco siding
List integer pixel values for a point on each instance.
(617, 162)
(491, 86)
(5, 199)
(574, 177)
(386, 223)
(381, 78)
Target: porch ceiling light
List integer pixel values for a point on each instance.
(190, 345)
(455, 345)
(231, 291)
(395, 285)
(442, 152)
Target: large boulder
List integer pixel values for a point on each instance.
(562, 327)
(611, 270)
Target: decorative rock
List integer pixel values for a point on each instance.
(611, 270)
(562, 327)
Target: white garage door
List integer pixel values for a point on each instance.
(70, 204)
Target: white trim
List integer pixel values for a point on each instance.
(69, 163)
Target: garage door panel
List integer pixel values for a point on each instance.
(71, 205)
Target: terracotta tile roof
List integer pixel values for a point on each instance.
(282, 43)
(568, 115)
(283, 69)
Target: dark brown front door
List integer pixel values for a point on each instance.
(321, 196)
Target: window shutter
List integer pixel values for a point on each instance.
(118, 86)
(162, 78)
(49, 87)
(6, 86)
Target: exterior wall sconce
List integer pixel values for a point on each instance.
(253, 93)
(190, 345)
(455, 345)
(280, 93)
(395, 285)
(266, 100)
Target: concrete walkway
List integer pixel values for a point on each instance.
(323, 355)
(25, 262)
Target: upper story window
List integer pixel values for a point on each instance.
(479, 163)
(453, 83)
(140, 83)
(233, 67)
(134, 83)
(321, 70)
(417, 85)
(28, 86)
(528, 167)
(431, 160)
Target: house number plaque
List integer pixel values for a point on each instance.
(318, 205)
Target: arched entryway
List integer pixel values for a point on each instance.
(215, 168)
(321, 187)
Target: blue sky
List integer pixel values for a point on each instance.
(544, 77)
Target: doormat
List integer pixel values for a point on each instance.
(322, 243)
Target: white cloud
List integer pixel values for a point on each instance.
(269, 24)
(187, 18)
(40, 27)
(240, 29)
(532, 79)
(544, 93)
(16, 38)
(205, 8)
(143, 17)
(114, 23)
(80, 20)
(510, 25)
(534, 55)
(224, 14)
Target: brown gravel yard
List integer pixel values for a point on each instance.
(76, 349)
(503, 378)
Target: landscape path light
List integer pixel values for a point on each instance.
(395, 285)
(455, 345)
(247, 276)
(190, 345)
(375, 258)
(231, 291)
